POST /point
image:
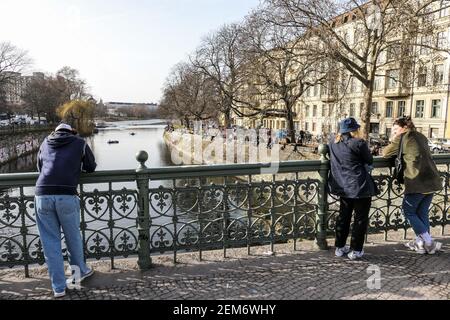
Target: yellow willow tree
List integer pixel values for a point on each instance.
(79, 114)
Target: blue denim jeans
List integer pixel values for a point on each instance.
(52, 214)
(415, 208)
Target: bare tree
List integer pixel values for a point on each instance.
(42, 98)
(365, 37)
(221, 59)
(70, 84)
(189, 94)
(281, 65)
(13, 61)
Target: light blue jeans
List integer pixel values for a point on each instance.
(415, 208)
(52, 214)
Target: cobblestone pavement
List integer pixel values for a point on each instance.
(304, 274)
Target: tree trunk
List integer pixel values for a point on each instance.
(227, 119)
(366, 111)
(290, 126)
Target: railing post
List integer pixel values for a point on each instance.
(322, 214)
(142, 181)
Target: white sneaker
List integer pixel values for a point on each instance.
(59, 294)
(416, 246)
(433, 247)
(355, 255)
(342, 251)
(72, 282)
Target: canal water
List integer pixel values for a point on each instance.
(132, 136)
(148, 136)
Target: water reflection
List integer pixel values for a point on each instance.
(23, 164)
(119, 156)
(147, 136)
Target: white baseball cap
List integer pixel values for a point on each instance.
(64, 126)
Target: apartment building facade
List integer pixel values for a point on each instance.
(425, 98)
(15, 88)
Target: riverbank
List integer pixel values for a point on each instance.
(15, 146)
(118, 119)
(183, 145)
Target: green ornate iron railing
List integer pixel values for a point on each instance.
(152, 211)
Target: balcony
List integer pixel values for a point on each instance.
(397, 93)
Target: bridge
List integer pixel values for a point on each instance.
(152, 211)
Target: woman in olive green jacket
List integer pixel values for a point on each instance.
(422, 180)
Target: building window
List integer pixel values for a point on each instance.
(401, 108)
(375, 128)
(392, 78)
(307, 111)
(324, 110)
(306, 126)
(393, 52)
(352, 109)
(314, 111)
(444, 9)
(374, 109)
(316, 90)
(436, 109)
(388, 132)
(422, 77)
(438, 74)
(425, 44)
(389, 109)
(441, 40)
(352, 85)
(323, 90)
(314, 127)
(434, 133)
(420, 107)
(377, 83)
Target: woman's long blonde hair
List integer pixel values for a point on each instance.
(354, 134)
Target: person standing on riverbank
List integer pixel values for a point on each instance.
(61, 158)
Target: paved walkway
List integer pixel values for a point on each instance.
(289, 275)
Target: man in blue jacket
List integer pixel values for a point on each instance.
(62, 157)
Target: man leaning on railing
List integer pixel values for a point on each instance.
(61, 158)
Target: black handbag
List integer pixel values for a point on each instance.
(399, 164)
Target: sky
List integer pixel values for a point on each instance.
(124, 49)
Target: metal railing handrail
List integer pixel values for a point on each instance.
(216, 170)
(144, 205)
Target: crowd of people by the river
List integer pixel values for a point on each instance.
(303, 138)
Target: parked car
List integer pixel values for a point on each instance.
(435, 147)
(444, 142)
(19, 120)
(4, 123)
